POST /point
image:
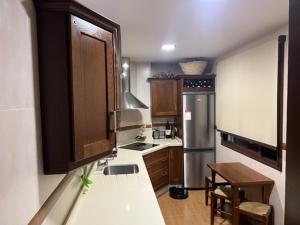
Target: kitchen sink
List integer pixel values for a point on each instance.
(121, 169)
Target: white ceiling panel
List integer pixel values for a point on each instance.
(197, 27)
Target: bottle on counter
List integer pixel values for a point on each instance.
(168, 130)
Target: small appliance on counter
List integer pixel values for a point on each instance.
(168, 132)
(159, 134)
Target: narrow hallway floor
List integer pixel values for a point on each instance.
(190, 211)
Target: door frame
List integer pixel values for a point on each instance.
(292, 199)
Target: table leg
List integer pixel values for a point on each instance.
(235, 203)
(213, 178)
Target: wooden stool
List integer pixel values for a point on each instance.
(257, 211)
(219, 181)
(222, 193)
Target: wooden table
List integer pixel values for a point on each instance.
(238, 175)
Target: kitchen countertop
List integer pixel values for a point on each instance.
(121, 199)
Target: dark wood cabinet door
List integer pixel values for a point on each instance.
(92, 60)
(176, 165)
(164, 97)
(157, 164)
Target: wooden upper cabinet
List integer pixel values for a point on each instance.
(164, 97)
(92, 88)
(79, 61)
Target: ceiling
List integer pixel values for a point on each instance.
(199, 28)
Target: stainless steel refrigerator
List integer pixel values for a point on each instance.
(198, 136)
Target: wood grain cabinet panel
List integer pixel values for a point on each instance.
(165, 167)
(160, 178)
(157, 164)
(79, 62)
(176, 165)
(92, 88)
(163, 97)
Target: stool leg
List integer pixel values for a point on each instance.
(206, 190)
(222, 206)
(212, 207)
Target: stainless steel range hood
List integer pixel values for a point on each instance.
(128, 100)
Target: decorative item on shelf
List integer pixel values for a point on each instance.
(164, 75)
(193, 68)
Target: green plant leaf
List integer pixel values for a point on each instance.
(89, 181)
(84, 179)
(85, 183)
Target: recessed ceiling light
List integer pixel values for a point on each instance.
(168, 47)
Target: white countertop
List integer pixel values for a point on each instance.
(121, 199)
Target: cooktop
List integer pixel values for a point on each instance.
(139, 146)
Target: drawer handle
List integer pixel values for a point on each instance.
(164, 173)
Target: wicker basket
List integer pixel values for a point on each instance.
(193, 68)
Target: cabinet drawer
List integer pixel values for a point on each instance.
(159, 178)
(157, 165)
(156, 157)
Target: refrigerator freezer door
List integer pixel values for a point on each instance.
(198, 121)
(195, 167)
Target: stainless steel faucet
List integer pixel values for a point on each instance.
(101, 164)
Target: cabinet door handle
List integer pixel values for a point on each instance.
(115, 121)
(115, 127)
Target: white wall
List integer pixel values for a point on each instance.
(24, 188)
(224, 154)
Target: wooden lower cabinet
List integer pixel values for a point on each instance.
(165, 167)
(157, 164)
(175, 165)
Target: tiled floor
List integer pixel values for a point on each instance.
(191, 211)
